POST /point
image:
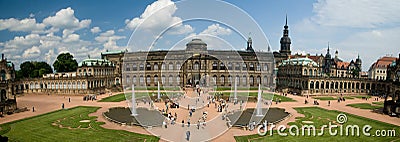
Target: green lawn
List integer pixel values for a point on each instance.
(378, 103)
(361, 96)
(348, 97)
(365, 106)
(65, 125)
(325, 98)
(320, 117)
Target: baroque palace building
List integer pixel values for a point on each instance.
(91, 76)
(8, 101)
(197, 65)
(322, 74)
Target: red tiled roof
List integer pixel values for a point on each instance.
(383, 62)
(345, 65)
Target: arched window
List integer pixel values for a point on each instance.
(265, 80)
(258, 67)
(237, 67)
(221, 66)
(222, 79)
(170, 80)
(163, 79)
(214, 79)
(229, 66)
(305, 72)
(148, 66)
(134, 67)
(178, 79)
(163, 66)
(312, 85)
(237, 80)
(148, 79)
(141, 66)
(258, 79)
(265, 67)
(244, 80)
(128, 79)
(244, 66)
(196, 66)
(155, 79)
(310, 71)
(134, 79)
(251, 66)
(178, 66)
(141, 79)
(170, 66)
(155, 66)
(214, 66)
(251, 80)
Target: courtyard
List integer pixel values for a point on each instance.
(84, 121)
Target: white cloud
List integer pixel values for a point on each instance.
(24, 25)
(31, 52)
(356, 13)
(65, 19)
(216, 30)
(109, 39)
(95, 30)
(159, 16)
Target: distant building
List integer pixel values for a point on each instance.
(285, 43)
(378, 70)
(91, 76)
(8, 101)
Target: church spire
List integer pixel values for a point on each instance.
(286, 21)
(285, 40)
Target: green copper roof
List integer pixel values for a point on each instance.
(113, 52)
(9, 64)
(95, 62)
(299, 61)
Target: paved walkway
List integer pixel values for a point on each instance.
(48, 103)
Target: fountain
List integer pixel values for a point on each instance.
(134, 113)
(235, 93)
(259, 103)
(158, 91)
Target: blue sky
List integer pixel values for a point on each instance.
(40, 30)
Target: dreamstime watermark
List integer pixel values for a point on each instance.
(333, 129)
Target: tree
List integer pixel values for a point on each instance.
(355, 72)
(33, 69)
(65, 63)
(27, 68)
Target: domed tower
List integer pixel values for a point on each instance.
(285, 40)
(327, 61)
(196, 45)
(358, 62)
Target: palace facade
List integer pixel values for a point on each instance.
(196, 65)
(8, 101)
(92, 76)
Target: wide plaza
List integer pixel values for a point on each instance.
(46, 105)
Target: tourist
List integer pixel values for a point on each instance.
(187, 135)
(33, 109)
(188, 123)
(329, 103)
(62, 106)
(69, 99)
(183, 123)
